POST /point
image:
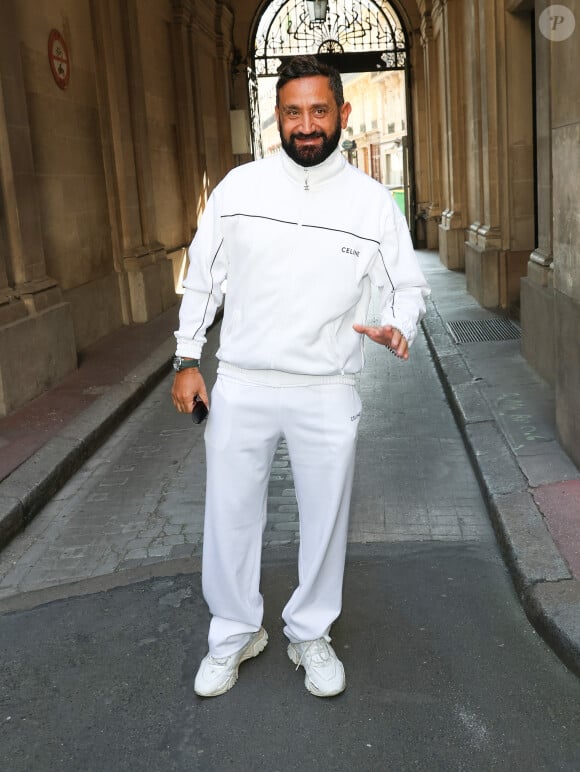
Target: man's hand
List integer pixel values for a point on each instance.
(187, 385)
(386, 336)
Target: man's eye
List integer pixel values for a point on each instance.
(320, 112)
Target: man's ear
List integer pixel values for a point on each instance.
(345, 111)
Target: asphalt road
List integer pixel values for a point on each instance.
(444, 673)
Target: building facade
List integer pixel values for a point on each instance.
(114, 130)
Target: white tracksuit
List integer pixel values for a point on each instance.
(300, 249)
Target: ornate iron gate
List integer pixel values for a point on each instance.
(356, 36)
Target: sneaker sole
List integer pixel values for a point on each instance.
(252, 649)
(292, 654)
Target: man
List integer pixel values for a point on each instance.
(300, 237)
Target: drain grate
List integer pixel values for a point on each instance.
(482, 330)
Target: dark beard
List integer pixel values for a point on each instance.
(312, 156)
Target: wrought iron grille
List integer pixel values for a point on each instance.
(257, 148)
(350, 27)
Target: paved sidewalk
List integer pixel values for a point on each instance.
(504, 410)
(532, 488)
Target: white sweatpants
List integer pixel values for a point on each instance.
(245, 424)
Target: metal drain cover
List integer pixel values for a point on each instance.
(482, 330)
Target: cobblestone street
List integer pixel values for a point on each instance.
(139, 499)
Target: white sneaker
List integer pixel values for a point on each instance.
(217, 675)
(324, 671)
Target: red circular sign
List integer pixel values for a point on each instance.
(58, 58)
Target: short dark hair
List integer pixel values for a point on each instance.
(308, 67)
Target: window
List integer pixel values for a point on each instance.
(376, 162)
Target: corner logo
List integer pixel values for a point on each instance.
(557, 23)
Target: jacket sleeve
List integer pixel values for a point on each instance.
(395, 270)
(202, 287)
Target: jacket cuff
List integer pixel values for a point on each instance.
(188, 349)
(406, 328)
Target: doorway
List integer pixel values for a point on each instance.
(366, 41)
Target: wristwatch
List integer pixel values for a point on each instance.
(179, 363)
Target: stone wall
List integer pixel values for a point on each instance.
(565, 89)
(102, 177)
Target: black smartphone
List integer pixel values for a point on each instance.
(199, 412)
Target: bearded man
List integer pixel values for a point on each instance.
(301, 237)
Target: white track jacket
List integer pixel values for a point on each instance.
(300, 248)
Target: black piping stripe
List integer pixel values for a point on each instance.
(339, 230)
(304, 225)
(258, 217)
(391, 281)
(210, 292)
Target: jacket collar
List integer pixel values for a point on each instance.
(313, 176)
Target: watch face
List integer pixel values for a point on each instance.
(176, 363)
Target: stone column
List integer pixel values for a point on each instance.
(449, 35)
(473, 143)
(145, 273)
(224, 54)
(186, 110)
(37, 346)
(432, 102)
(483, 247)
(498, 248)
(421, 139)
(537, 288)
(565, 88)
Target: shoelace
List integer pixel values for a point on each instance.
(321, 646)
(218, 660)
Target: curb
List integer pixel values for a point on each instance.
(549, 594)
(24, 492)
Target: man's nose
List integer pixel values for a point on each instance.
(307, 122)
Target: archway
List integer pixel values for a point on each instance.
(367, 42)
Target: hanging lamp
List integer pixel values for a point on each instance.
(317, 10)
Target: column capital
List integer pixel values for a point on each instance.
(489, 237)
(426, 29)
(543, 258)
(182, 11)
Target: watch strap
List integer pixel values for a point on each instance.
(182, 364)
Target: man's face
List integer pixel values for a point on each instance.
(309, 120)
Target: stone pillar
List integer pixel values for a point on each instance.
(473, 132)
(432, 211)
(501, 238)
(186, 110)
(146, 275)
(448, 24)
(482, 250)
(565, 88)
(37, 346)
(211, 28)
(537, 288)
(421, 140)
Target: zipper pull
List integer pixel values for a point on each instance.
(306, 180)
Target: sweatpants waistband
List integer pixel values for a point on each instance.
(280, 379)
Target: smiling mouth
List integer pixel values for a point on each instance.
(311, 138)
